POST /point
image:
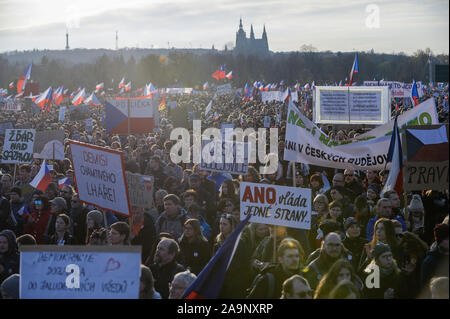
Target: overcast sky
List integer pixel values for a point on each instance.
(337, 25)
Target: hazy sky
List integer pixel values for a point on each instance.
(336, 25)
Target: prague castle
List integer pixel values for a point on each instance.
(250, 46)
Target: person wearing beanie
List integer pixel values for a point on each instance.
(57, 206)
(416, 216)
(10, 287)
(390, 276)
(436, 263)
(353, 241)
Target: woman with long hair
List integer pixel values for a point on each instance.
(147, 285)
(37, 220)
(195, 250)
(340, 271)
(227, 223)
(227, 190)
(384, 232)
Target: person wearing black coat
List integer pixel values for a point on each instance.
(195, 251)
(165, 266)
(353, 241)
(436, 263)
(143, 231)
(9, 255)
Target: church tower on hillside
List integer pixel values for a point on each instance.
(250, 46)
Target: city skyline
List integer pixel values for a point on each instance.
(351, 25)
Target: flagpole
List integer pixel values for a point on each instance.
(14, 178)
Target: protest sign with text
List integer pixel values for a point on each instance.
(351, 105)
(18, 146)
(100, 177)
(425, 153)
(140, 190)
(398, 89)
(225, 156)
(276, 205)
(79, 272)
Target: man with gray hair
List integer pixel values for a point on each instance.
(180, 283)
(165, 265)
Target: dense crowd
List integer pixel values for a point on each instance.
(354, 228)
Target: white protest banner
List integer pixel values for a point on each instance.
(278, 96)
(266, 121)
(351, 105)
(100, 177)
(79, 272)
(423, 114)
(305, 143)
(11, 105)
(62, 113)
(224, 89)
(276, 205)
(232, 157)
(18, 146)
(140, 190)
(49, 145)
(398, 89)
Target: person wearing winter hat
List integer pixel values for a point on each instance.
(94, 220)
(416, 216)
(353, 240)
(10, 287)
(58, 206)
(389, 274)
(436, 263)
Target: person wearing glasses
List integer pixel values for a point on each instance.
(296, 287)
(38, 219)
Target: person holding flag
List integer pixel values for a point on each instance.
(21, 83)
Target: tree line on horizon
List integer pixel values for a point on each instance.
(193, 70)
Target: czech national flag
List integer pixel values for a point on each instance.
(307, 86)
(42, 179)
(415, 93)
(23, 79)
(44, 99)
(355, 69)
(205, 86)
(62, 182)
(127, 87)
(394, 156)
(209, 282)
(99, 87)
(429, 145)
(92, 100)
(11, 85)
(122, 83)
(79, 98)
(59, 96)
(229, 76)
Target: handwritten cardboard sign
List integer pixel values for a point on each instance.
(18, 147)
(80, 272)
(140, 190)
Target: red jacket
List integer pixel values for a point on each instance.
(38, 227)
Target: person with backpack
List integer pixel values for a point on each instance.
(269, 283)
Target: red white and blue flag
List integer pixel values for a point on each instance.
(415, 93)
(63, 182)
(355, 69)
(229, 76)
(79, 98)
(92, 100)
(209, 282)
(127, 87)
(44, 99)
(394, 156)
(11, 85)
(43, 178)
(205, 86)
(122, 83)
(58, 97)
(99, 87)
(23, 79)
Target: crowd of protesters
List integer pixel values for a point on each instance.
(354, 229)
